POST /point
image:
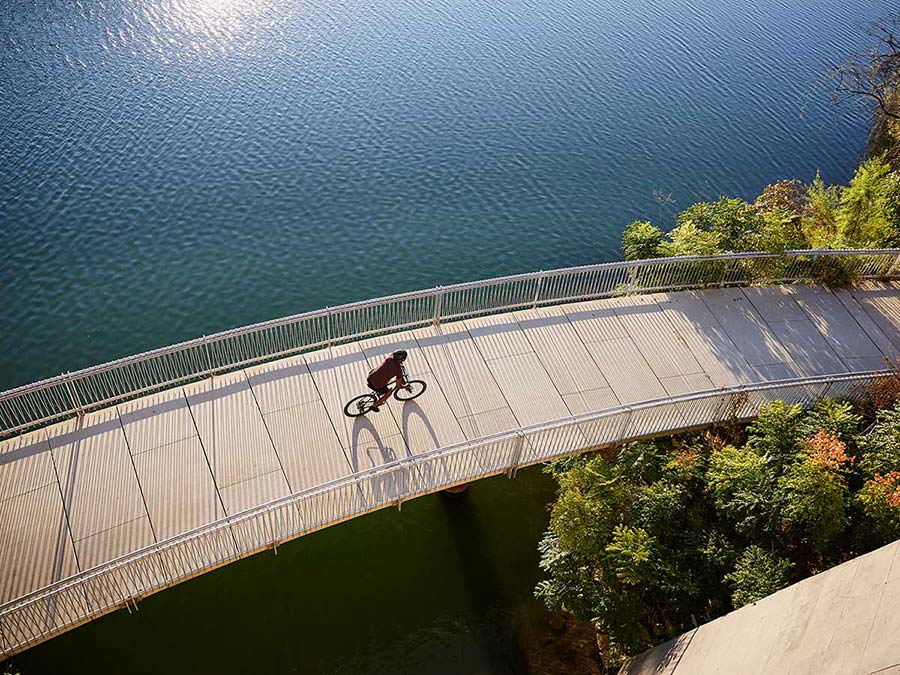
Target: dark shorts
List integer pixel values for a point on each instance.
(378, 390)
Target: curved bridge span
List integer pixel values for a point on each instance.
(126, 478)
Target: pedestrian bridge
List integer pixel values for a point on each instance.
(123, 479)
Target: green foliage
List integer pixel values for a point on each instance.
(879, 450)
(685, 528)
(641, 240)
(813, 512)
(786, 215)
(742, 485)
(757, 574)
(870, 207)
(777, 432)
(733, 220)
(879, 500)
(629, 555)
(688, 239)
(779, 227)
(821, 207)
(835, 417)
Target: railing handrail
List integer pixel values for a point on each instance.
(422, 458)
(68, 379)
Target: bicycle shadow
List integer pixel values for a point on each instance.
(367, 451)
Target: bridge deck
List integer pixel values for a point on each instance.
(87, 490)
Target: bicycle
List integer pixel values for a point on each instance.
(363, 403)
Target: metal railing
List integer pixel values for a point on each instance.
(75, 393)
(124, 581)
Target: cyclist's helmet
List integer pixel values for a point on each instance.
(399, 355)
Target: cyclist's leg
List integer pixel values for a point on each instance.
(384, 394)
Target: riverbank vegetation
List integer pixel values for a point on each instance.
(660, 536)
(791, 214)
(786, 215)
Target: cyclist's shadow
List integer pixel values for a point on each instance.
(367, 450)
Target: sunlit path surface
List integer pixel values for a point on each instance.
(842, 621)
(87, 490)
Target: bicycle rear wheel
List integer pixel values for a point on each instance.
(416, 389)
(360, 405)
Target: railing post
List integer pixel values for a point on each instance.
(632, 280)
(208, 355)
(518, 446)
(400, 493)
(624, 427)
(76, 402)
(438, 302)
(537, 290)
(328, 309)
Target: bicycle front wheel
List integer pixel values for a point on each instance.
(360, 405)
(416, 389)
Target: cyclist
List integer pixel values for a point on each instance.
(378, 378)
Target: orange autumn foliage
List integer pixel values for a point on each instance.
(889, 486)
(828, 451)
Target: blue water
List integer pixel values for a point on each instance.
(171, 168)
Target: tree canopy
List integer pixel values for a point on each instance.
(670, 533)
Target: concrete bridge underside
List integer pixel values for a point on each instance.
(87, 490)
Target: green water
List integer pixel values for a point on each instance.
(442, 586)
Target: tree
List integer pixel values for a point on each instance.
(732, 219)
(814, 512)
(688, 239)
(879, 499)
(870, 207)
(742, 485)
(874, 77)
(777, 432)
(879, 450)
(641, 240)
(779, 207)
(835, 417)
(821, 205)
(757, 574)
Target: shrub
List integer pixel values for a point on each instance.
(757, 574)
(879, 449)
(879, 499)
(641, 240)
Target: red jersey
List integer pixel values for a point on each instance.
(384, 373)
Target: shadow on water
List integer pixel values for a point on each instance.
(489, 595)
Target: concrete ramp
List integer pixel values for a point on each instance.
(844, 621)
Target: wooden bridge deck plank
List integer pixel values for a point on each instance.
(36, 548)
(626, 370)
(232, 430)
(837, 325)
(706, 338)
(745, 327)
(100, 488)
(178, 487)
(851, 299)
(561, 350)
(171, 466)
(653, 335)
(459, 367)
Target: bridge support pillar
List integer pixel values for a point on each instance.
(457, 489)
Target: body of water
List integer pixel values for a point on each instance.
(172, 168)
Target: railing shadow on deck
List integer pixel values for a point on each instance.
(124, 581)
